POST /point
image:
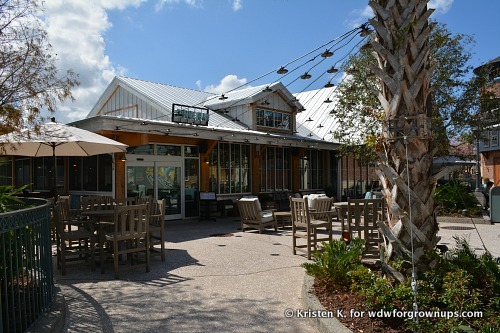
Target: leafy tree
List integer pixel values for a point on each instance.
(406, 95)
(461, 108)
(29, 78)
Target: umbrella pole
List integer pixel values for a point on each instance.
(54, 189)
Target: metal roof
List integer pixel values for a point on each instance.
(317, 113)
(220, 125)
(247, 96)
(165, 95)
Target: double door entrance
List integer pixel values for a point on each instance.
(161, 180)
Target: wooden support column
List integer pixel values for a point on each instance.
(120, 171)
(258, 150)
(296, 170)
(205, 167)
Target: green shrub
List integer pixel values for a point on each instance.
(454, 197)
(7, 197)
(332, 266)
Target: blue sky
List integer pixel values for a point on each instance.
(217, 45)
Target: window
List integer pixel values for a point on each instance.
(93, 173)
(142, 150)
(275, 169)
(43, 173)
(311, 170)
(274, 119)
(494, 138)
(5, 171)
(229, 168)
(168, 150)
(22, 172)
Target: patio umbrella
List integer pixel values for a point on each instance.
(57, 139)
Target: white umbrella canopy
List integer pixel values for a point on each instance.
(57, 139)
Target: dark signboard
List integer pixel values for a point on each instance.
(189, 114)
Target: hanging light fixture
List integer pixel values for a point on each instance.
(365, 31)
(329, 84)
(305, 76)
(282, 70)
(327, 100)
(366, 47)
(222, 97)
(327, 54)
(332, 70)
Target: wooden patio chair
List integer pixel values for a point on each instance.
(124, 201)
(157, 227)
(130, 236)
(362, 221)
(73, 241)
(305, 228)
(322, 209)
(252, 215)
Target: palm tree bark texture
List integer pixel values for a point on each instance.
(401, 47)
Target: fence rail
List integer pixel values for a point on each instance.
(26, 277)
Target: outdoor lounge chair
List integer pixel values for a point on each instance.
(252, 215)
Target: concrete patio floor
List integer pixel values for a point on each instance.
(215, 278)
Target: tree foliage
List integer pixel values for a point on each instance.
(29, 78)
(461, 107)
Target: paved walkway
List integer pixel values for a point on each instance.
(243, 282)
(239, 283)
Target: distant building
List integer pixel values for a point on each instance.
(489, 146)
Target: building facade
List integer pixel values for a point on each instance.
(182, 142)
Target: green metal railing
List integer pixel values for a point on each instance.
(26, 277)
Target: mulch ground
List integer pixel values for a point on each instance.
(356, 320)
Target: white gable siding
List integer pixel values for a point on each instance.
(126, 104)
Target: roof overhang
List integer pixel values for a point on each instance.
(104, 123)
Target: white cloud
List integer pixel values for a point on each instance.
(76, 29)
(191, 3)
(198, 84)
(229, 82)
(237, 5)
(441, 6)
(361, 16)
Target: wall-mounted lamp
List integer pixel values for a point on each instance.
(123, 158)
(206, 161)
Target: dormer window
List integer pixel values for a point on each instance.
(273, 119)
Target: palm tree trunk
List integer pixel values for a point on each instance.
(404, 69)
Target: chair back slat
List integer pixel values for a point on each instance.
(156, 212)
(131, 221)
(300, 212)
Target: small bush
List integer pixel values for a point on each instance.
(332, 266)
(454, 197)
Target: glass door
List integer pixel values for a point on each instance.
(169, 187)
(140, 179)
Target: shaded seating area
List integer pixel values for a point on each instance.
(73, 241)
(252, 215)
(306, 237)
